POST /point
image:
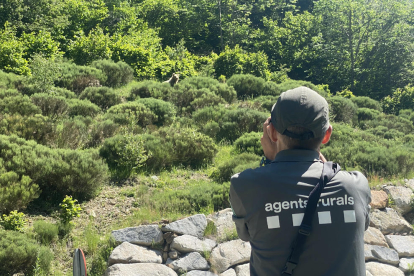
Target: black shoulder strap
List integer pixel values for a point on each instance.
(329, 170)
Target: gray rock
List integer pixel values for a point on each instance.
(389, 222)
(223, 222)
(191, 261)
(379, 199)
(126, 253)
(194, 226)
(141, 235)
(410, 184)
(404, 245)
(378, 269)
(229, 254)
(200, 273)
(229, 272)
(139, 270)
(401, 196)
(375, 237)
(243, 270)
(368, 253)
(406, 264)
(385, 255)
(187, 243)
(173, 254)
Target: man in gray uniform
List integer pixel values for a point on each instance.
(269, 202)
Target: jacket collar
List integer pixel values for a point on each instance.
(296, 155)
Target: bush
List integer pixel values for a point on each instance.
(266, 102)
(131, 113)
(164, 111)
(76, 78)
(150, 89)
(15, 192)
(228, 124)
(271, 89)
(400, 99)
(224, 172)
(391, 122)
(343, 110)
(291, 84)
(71, 133)
(8, 80)
(37, 127)
(20, 254)
(82, 108)
(57, 171)
(14, 221)
(46, 232)
(250, 142)
(51, 106)
(247, 85)
(220, 89)
(198, 197)
(104, 97)
(117, 74)
(99, 131)
(62, 92)
(18, 104)
(367, 114)
(69, 209)
(366, 102)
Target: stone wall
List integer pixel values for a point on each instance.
(180, 247)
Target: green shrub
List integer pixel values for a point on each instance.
(164, 111)
(9, 93)
(131, 113)
(266, 102)
(367, 114)
(249, 142)
(247, 86)
(197, 197)
(18, 104)
(62, 92)
(104, 97)
(343, 109)
(220, 89)
(8, 80)
(71, 133)
(57, 171)
(19, 254)
(15, 192)
(46, 232)
(124, 154)
(51, 106)
(150, 89)
(270, 88)
(407, 114)
(76, 78)
(69, 209)
(391, 121)
(366, 102)
(117, 74)
(399, 100)
(14, 221)
(82, 108)
(232, 123)
(224, 172)
(99, 131)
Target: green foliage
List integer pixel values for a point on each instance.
(196, 197)
(220, 89)
(76, 78)
(46, 232)
(104, 97)
(15, 221)
(52, 106)
(69, 209)
(19, 254)
(40, 43)
(367, 114)
(228, 124)
(56, 171)
(291, 84)
(15, 192)
(12, 52)
(366, 102)
(44, 72)
(164, 111)
(131, 113)
(249, 142)
(117, 74)
(18, 104)
(343, 109)
(8, 80)
(400, 99)
(82, 108)
(224, 171)
(266, 102)
(237, 61)
(150, 89)
(99, 262)
(246, 85)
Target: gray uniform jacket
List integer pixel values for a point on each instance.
(269, 203)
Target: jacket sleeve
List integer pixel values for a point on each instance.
(239, 212)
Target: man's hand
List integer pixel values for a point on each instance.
(269, 147)
(322, 157)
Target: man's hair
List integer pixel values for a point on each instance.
(309, 144)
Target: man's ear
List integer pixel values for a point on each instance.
(272, 133)
(327, 135)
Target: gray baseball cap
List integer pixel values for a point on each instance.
(301, 107)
